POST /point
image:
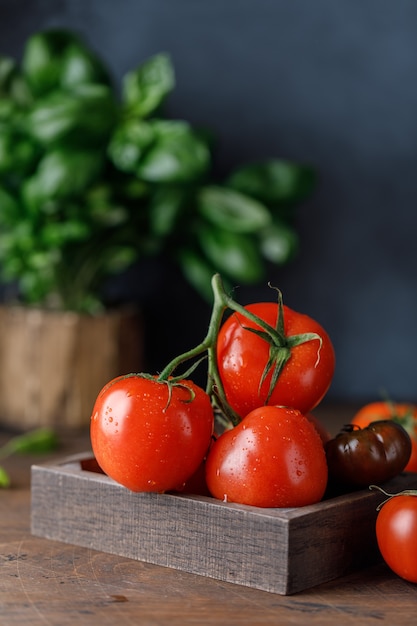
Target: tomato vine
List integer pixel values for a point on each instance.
(280, 347)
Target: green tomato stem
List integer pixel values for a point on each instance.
(214, 386)
(280, 347)
(405, 492)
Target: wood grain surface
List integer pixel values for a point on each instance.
(45, 582)
(278, 550)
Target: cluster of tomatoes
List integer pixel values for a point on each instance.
(250, 436)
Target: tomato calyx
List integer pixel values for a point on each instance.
(407, 421)
(280, 345)
(405, 492)
(171, 383)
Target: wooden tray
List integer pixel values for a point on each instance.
(277, 550)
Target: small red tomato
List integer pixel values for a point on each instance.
(396, 531)
(402, 413)
(150, 435)
(244, 355)
(273, 458)
(359, 457)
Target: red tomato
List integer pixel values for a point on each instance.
(273, 458)
(396, 531)
(196, 484)
(403, 414)
(147, 436)
(242, 356)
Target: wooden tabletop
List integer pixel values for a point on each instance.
(45, 582)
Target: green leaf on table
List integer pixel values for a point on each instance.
(4, 478)
(36, 441)
(232, 210)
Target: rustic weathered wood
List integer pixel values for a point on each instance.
(53, 364)
(277, 550)
(50, 582)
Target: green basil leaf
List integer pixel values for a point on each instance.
(43, 58)
(10, 211)
(119, 258)
(234, 254)
(36, 441)
(232, 210)
(197, 271)
(17, 153)
(178, 155)
(129, 143)
(86, 115)
(81, 66)
(57, 234)
(60, 174)
(103, 208)
(146, 88)
(274, 181)
(279, 243)
(165, 208)
(8, 68)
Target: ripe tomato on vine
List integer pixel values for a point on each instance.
(154, 432)
(291, 366)
(151, 435)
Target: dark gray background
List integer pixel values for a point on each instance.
(330, 83)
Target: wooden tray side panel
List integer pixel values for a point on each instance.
(343, 540)
(337, 537)
(277, 550)
(186, 533)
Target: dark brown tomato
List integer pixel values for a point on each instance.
(358, 457)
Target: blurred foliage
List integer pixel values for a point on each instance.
(92, 182)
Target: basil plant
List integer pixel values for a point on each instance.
(93, 180)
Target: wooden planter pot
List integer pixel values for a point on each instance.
(53, 364)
